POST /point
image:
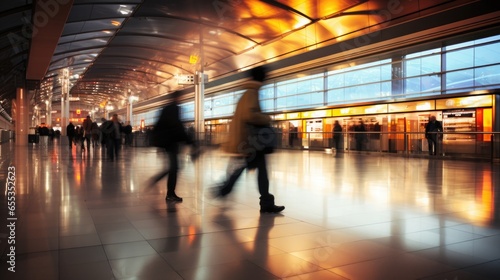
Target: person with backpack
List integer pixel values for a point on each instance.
(167, 134)
(111, 132)
(242, 143)
(431, 133)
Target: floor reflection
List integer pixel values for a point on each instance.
(348, 216)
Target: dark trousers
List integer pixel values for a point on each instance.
(172, 155)
(70, 140)
(336, 142)
(259, 162)
(87, 139)
(113, 147)
(432, 141)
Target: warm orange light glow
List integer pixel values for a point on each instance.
(487, 123)
(487, 205)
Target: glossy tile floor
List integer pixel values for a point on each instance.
(347, 216)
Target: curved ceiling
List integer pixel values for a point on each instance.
(117, 48)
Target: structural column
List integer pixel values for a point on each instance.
(22, 113)
(48, 115)
(199, 107)
(64, 101)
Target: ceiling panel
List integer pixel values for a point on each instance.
(103, 41)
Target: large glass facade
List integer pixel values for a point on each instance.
(149, 118)
(463, 67)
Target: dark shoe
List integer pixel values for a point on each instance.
(214, 192)
(267, 205)
(272, 209)
(173, 197)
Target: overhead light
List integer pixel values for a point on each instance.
(133, 98)
(124, 10)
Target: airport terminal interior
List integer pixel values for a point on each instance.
(351, 88)
(347, 216)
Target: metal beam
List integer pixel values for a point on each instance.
(49, 19)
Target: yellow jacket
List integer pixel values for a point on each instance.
(247, 112)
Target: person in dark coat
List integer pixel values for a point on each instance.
(70, 131)
(337, 135)
(87, 132)
(168, 133)
(431, 133)
(127, 130)
(360, 135)
(111, 131)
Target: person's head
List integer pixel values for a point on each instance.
(115, 117)
(103, 119)
(432, 118)
(176, 95)
(88, 117)
(258, 73)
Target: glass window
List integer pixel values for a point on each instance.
(386, 72)
(459, 46)
(423, 53)
(280, 103)
(266, 92)
(487, 54)
(335, 96)
(460, 79)
(469, 65)
(413, 67)
(431, 64)
(423, 65)
(335, 80)
(187, 111)
(459, 59)
(485, 76)
(267, 105)
(488, 39)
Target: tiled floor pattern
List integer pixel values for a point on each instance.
(348, 216)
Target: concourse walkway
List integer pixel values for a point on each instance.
(347, 216)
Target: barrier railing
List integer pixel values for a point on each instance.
(484, 145)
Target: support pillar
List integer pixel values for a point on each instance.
(199, 107)
(48, 113)
(64, 101)
(22, 113)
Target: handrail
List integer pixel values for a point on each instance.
(480, 144)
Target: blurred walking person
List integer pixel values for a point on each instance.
(337, 135)
(168, 134)
(70, 131)
(431, 133)
(95, 134)
(87, 131)
(111, 131)
(247, 113)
